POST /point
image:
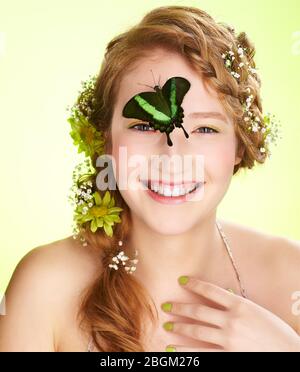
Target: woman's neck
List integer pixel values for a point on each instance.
(166, 257)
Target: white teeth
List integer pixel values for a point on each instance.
(166, 190)
(176, 191)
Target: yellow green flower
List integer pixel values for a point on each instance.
(85, 136)
(100, 212)
(84, 133)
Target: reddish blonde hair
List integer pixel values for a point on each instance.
(116, 305)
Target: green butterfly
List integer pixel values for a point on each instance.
(162, 108)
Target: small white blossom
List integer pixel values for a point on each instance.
(241, 51)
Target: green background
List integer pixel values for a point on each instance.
(47, 48)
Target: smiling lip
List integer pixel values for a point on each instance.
(173, 199)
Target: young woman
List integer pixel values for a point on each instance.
(200, 283)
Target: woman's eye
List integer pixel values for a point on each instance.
(207, 130)
(143, 128)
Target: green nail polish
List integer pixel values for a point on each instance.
(170, 348)
(168, 326)
(167, 306)
(183, 279)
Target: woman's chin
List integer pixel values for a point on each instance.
(167, 227)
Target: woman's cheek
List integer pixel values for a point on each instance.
(129, 160)
(219, 161)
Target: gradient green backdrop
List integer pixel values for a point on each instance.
(48, 47)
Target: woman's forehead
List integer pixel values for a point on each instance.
(156, 71)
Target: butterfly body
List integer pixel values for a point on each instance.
(161, 108)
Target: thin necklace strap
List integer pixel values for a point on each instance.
(242, 288)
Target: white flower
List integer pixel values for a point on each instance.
(268, 138)
(253, 70)
(255, 127)
(241, 51)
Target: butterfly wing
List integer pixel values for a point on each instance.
(148, 106)
(162, 108)
(174, 91)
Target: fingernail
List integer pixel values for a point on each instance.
(183, 279)
(170, 348)
(167, 306)
(168, 326)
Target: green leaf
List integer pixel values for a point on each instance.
(108, 230)
(108, 220)
(106, 198)
(97, 198)
(100, 222)
(85, 218)
(111, 203)
(93, 225)
(71, 121)
(115, 210)
(114, 218)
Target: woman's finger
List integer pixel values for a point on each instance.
(212, 292)
(198, 312)
(197, 332)
(182, 348)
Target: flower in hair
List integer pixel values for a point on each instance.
(229, 58)
(85, 135)
(121, 259)
(268, 125)
(91, 208)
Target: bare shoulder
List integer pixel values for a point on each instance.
(269, 265)
(43, 294)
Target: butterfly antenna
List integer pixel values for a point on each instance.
(153, 78)
(149, 86)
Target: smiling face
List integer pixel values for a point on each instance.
(211, 138)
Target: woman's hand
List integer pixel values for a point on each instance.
(241, 325)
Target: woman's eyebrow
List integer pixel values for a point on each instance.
(207, 114)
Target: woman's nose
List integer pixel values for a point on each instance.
(179, 143)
